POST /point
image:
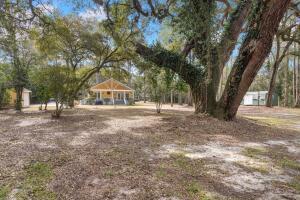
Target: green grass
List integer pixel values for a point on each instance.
(288, 163)
(295, 184)
(109, 173)
(253, 152)
(4, 190)
(187, 165)
(270, 120)
(195, 190)
(260, 169)
(160, 173)
(180, 160)
(34, 186)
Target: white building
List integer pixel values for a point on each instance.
(26, 97)
(255, 98)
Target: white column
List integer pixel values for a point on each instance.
(112, 97)
(97, 96)
(124, 97)
(100, 95)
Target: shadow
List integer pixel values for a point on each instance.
(100, 151)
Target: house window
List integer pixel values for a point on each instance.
(108, 93)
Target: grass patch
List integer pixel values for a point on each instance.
(261, 168)
(109, 173)
(270, 120)
(4, 190)
(195, 190)
(288, 163)
(253, 152)
(34, 186)
(194, 167)
(160, 173)
(295, 184)
(180, 160)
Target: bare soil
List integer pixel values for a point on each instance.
(106, 152)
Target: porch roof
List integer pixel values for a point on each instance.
(111, 85)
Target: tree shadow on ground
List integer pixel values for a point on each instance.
(112, 153)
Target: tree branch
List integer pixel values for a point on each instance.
(167, 59)
(232, 32)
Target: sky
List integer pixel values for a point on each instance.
(91, 11)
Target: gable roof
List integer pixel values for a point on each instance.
(111, 84)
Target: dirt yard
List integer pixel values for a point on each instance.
(105, 152)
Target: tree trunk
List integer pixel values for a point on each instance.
(144, 90)
(19, 91)
(286, 85)
(144, 96)
(254, 49)
(278, 60)
(272, 85)
(294, 81)
(2, 91)
(171, 98)
(256, 46)
(179, 98)
(199, 98)
(58, 110)
(297, 104)
(190, 97)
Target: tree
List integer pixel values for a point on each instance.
(38, 78)
(58, 82)
(204, 78)
(76, 42)
(15, 43)
(4, 84)
(285, 29)
(157, 88)
(169, 83)
(297, 104)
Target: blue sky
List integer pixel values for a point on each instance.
(152, 32)
(68, 7)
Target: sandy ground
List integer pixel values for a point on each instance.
(130, 152)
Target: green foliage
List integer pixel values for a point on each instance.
(295, 183)
(157, 87)
(254, 152)
(195, 17)
(261, 81)
(37, 176)
(281, 81)
(4, 191)
(40, 85)
(288, 163)
(57, 82)
(4, 84)
(170, 38)
(195, 190)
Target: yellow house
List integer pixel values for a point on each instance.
(112, 91)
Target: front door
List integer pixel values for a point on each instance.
(120, 96)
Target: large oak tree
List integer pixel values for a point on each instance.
(199, 22)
